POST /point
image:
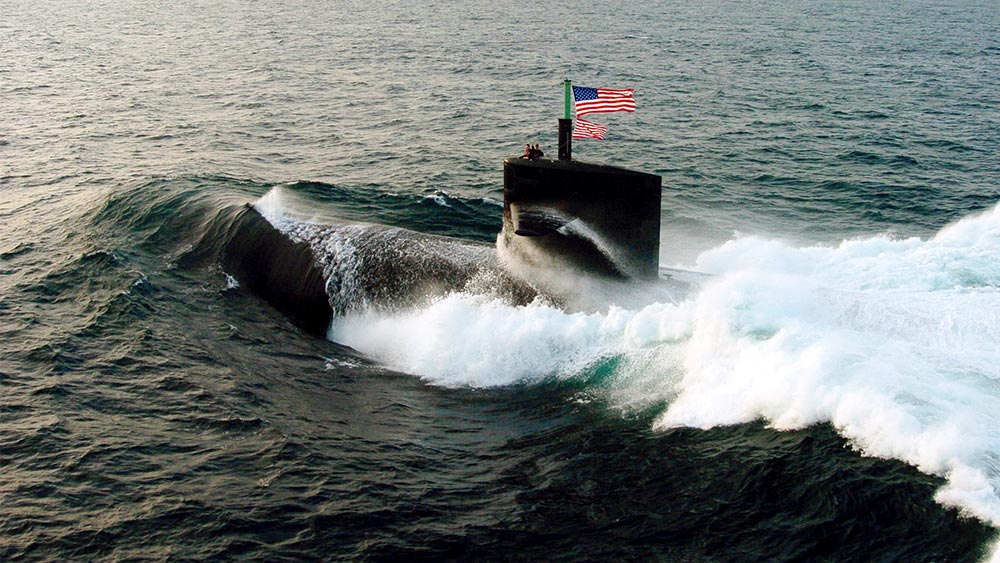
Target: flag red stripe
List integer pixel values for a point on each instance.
(583, 108)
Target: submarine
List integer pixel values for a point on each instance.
(570, 230)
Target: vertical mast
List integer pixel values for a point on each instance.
(567, 91)
(566, 125)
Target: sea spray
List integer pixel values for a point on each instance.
(893, 342)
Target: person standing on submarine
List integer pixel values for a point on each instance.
(531, 152)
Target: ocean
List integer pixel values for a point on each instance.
(828, 390)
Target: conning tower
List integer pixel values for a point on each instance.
(599, 219)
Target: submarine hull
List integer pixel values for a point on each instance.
(568, 229)
(283, 272)
(317, 271)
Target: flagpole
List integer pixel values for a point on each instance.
(566, 126)
(567, 89)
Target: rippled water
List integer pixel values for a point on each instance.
(828, 394)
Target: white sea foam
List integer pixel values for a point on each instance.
(896, 343)
(469, 340)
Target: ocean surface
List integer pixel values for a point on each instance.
(829, 391)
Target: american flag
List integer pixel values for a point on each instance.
(583, 129)
(602, 100)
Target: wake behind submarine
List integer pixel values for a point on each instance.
(570, 229)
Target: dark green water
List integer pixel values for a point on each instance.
(828, 394)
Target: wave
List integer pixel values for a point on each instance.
(894, 342)
(891, 341)
(429, 211)
(369, 267)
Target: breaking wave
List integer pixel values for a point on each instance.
(893, 342)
